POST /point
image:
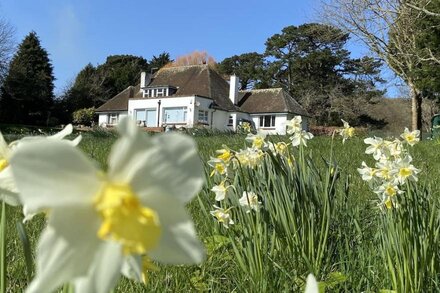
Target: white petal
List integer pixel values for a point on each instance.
(178, 242)
(4, 149)
(66, 248)
(311, 285)
(104, 272)
(173, 169)
(53, 174)
(63, 133)
(129, 152)
(132, 267)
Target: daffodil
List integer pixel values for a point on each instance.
(219, 166)
(96, 219)
(222, 216)
(249, 157)
(8, 188)
(279, 148)
(224, 154)
(249, 201)
(366, 172)
(220, 191)
(301, 137)
(411, 137)
(257, 140)
(347, 131)
(404, 170)
(294, 125)
(375, 147)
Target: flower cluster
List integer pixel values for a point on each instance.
(227, 161)
(347, 131)
(104, 223)
(392, 168)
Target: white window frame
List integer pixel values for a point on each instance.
(113, 116)
(203, 116)
(271, 124)
(185, 115)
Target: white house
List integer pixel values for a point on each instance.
(197, 95)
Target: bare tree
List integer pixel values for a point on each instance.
(7, 46)
(389, 29)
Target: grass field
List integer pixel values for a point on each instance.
(318, 216)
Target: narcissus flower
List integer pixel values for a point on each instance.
(8, 188)
(347, 131)
(411, 137)
(257, 140)
(294, 125)
(375, 148)
(249, 201)
(97, 220)
(220, 191)
(222, 216)
(300, 138)
(404, 170)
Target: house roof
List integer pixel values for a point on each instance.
(118, 102)
(200, 80)
(269, 101)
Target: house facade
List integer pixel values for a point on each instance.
(197, 96)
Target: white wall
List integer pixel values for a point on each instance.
(280, 123)
(103, 117)
(165, 102)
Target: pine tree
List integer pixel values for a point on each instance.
(27, 93)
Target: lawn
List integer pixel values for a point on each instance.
(317, 215)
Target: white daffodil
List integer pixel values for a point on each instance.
(395, 148)
(249, 201)
(97, 220)
(279, 148)
(366, 172)
(224, 154)
(222, 216)
(347, 131)
(257, 140)
(311, 285)
(219, 166)
(375, 147)
(8, 189)
(300, 138)
(249, 157)
(384, 168)
(403, 170)
(294, 125)
(220, 191)
(411, 137)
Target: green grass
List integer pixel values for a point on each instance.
(313, 220)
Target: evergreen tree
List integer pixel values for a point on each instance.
(27, 92)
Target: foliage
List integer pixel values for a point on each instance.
(93, 86)
(249, 67)
(157, 62)
(193, 58)
(27, 92)
(84, 116)
(7, 45)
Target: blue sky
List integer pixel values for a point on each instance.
(77, 32)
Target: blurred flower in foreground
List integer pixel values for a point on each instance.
(294, 125)
(300, 138)
(8, 189)
(97, 221)
(220, 191)
(347, 131)
(311, 285)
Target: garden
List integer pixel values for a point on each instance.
(360, 213)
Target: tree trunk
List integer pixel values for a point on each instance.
(416, 108)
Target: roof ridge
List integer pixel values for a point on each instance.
(268, 89)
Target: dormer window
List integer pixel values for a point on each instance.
(160, 91)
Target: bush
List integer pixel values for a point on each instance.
(84, 116)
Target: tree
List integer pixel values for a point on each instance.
(250, 67)
(27, 92)
(160, 61)
(389, 29)
(7, 33)
(193, 58)
(93, 86)
(310, 61)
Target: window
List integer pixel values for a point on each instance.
(203, 116)
(113, 118)
(267, 121)
(231, 120)
(145, 117)
(174, 115)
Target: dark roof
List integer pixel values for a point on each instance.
(269, 101)
(120, 101)
(192, 80)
